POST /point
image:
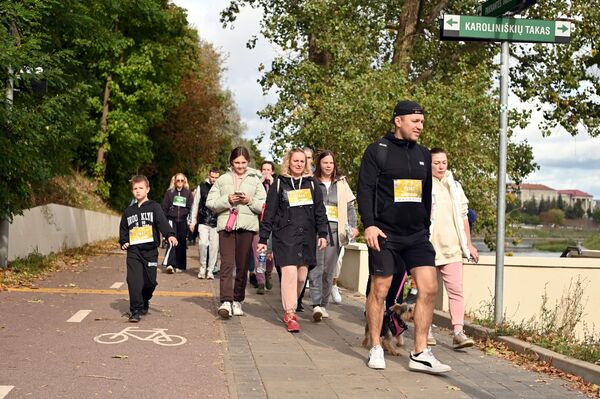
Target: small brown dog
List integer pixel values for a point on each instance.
(404, 312)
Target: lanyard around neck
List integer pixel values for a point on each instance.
(299, 185)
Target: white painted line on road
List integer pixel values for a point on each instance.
(79, 316)
(5, 389)
(117, 285)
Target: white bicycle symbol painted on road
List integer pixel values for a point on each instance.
(156, 335)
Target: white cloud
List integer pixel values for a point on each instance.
(241, 74)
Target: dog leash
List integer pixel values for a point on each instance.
(400, 288)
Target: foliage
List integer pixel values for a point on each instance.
(552, 216)
(592, 242)
(554, 327)
(596, 215)
(121, 76)
(345, 63)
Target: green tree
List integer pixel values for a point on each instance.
(37, 131)
(346, 63)
(596, 215)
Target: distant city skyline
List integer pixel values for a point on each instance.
(565, 161)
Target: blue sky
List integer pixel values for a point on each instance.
(565, 162)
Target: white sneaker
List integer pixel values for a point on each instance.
(178, 270)
(202, 273)
(427, 363)
(170, 269)
(210, 276)
(431, 341)
(324, 312)
(376, 360)
(237, 309)
(225, 310)
(317, 314)
(336, 297)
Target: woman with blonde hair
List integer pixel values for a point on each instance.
(177, 205)
(296, 216)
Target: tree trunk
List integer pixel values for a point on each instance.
(317, 55)
(406, 35)
(101, 155)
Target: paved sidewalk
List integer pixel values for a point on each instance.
(326, 360)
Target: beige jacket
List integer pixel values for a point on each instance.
(460, 208)
(218, 200)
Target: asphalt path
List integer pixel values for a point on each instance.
(70, 338)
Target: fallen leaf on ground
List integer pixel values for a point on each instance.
(120, 357)
(36, 301)
(453, 388)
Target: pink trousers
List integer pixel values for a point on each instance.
(452, 274)
(292, 282)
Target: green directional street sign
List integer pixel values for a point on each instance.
(496, 8)
(467, 28)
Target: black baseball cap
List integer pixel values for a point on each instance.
(407, 107)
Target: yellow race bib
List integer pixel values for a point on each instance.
(141, 235)
(407, 190)
(300, 197)
(332, 213)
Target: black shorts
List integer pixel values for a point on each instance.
(401, 253)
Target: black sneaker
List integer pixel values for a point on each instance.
(300, 307)
(144, 310)
(135, 317)
(253, 280)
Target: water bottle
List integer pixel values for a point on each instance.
(349, 233)
(262, 262)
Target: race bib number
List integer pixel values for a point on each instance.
(332, 213)
(300, 197)
(178, 200)
(407, 190)
(141, 235)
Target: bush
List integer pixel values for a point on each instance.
(552, 216)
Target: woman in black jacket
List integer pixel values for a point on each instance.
(177, 205)
(295, 214)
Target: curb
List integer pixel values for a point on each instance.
(588, 371)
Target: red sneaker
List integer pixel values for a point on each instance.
(289, 316)
(293, 326)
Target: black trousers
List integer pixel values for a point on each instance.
(181, 229)
(141, 279)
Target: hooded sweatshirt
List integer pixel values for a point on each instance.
(397, 199)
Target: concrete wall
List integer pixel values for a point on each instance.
(525, 279)
(355, 268)
(53, 228)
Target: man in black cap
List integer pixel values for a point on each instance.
(394, 202)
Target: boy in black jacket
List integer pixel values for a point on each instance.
(139, 236)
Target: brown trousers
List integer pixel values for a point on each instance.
(235, 250)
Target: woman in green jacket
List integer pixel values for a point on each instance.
(237, 199)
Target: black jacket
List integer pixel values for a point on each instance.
(404, 160)
(149, 213)
(295, 229)
(205, 215)
(177, 213)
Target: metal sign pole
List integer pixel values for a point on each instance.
(499, 288)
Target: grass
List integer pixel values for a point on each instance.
(554, 327)
(26, 271)
(553, 246)
(75, 190)
(592, 242)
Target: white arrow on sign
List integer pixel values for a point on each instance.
(562, 28)
(452, 22)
